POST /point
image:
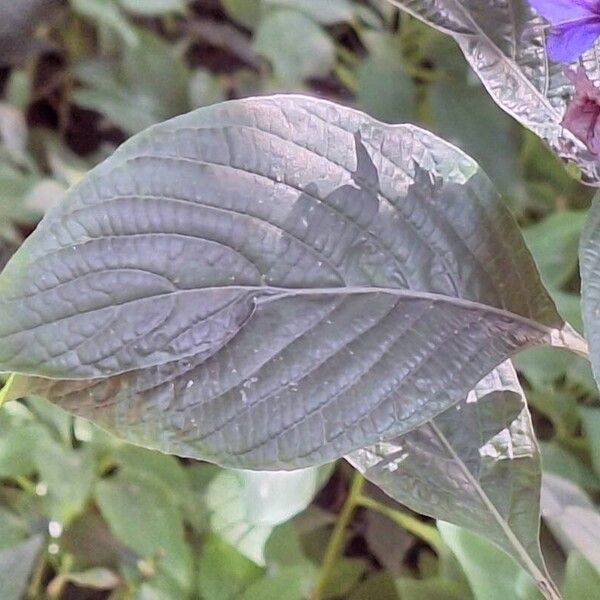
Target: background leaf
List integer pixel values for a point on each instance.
(492, 575)
(16, 564)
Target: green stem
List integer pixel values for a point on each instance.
(423, 531)
(336, 541)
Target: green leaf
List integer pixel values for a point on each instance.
(326, 13)
(465, 115)
(434, 588)
(287, 584)
(153, 8)
(68, 474)
(378, 278)
(148, 84)
(247, 505)
(246, 12)
(380, 585)
(16, 564)
(581, 578)
(13, 528)
(224, 573)
(491, 574)
(107, 14)
(572, 517)
(141, 513)
(17, 448)
(96, 579)
(296, 47)
(344, 577)
(590, 419)
(554, 243)
(385, 90)
(560, 461)
(141, 462)
(476, 465)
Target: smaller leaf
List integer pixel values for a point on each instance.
(141, 513)
(476, 465)
(434, 588)
(69, 475)
(326, 13)
(96, 579)
(385, 89)
(491, 573)
(108, 14)
(247, 505)
(559, 461)
(153, 8)
(245, 12)
(287, 584)
(16, 564)
(296, 47)
(380, 585)
(590, 419)
(224, 573)
(554, 244)
(580, 578)
(345, 575)
(572, 517)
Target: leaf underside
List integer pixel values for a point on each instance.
(271, 283)
(476, 465)
(505, 44)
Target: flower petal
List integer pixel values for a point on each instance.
(559, 12)
(568, 42)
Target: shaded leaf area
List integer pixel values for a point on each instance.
(477, 465)
(271, 283)
(589, 255)
(16, 564)
(505, 44)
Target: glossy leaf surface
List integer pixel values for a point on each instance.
(271, 283)
(477, 465)
(505, 44)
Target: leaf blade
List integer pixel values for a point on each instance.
(329, 282)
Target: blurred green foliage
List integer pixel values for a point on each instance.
(83, 515)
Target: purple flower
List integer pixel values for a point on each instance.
(583, 114)
(575, 26)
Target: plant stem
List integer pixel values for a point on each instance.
(423, 531)
(336, 541)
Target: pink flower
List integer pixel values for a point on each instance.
(583, 113)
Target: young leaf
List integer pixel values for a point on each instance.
(505, 43)
(271, 283)
(476, 465)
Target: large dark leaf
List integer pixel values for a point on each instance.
(476, 465)
(271, 283)
(505, 43)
